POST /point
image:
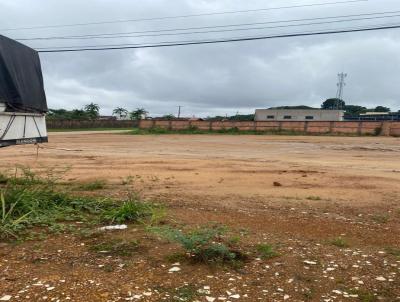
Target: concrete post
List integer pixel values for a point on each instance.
(386, 128)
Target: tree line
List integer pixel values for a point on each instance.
(351, 110)
(92, 112)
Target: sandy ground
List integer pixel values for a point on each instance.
(295, 192)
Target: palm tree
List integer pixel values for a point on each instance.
(138, 114)
(92, 110)
(121, 112)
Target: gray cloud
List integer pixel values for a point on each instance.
(209, 79)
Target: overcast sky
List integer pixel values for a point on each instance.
(209, 79)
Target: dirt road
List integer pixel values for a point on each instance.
(298, 193)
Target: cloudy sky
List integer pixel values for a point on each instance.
(210, 79)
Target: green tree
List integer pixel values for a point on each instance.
(138, 114)
(78, 114)
(168, 116)
(333, 103)
(92, 110)
(354, 110)
(63, 114)
(121, 112)
(382, 109)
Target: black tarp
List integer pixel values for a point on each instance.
(21, 79)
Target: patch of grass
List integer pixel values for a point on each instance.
(85, 129)
(10, 222)
(131, 210)
(3, 178)
(195, 130)
(185, 293)
(339, 242)
(309, 294)
(364, 296)
(266, 251)
(204, 245)
(92, 186)
(30, 201)
(393, 251)
(117, 247)
(127, 180)
(314, 198)
(380, 218)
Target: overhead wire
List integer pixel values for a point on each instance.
(227, 30)
(124, 34)
(223, 40)
(183, 16)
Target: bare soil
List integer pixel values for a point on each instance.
(298, 193)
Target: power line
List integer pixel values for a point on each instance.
(185, 16)
(206, 27)
(230, 40)
(220, 31)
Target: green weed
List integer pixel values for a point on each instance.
(185, 293)
(393, 251)
(117, 247)
(266, 251)
(30, 201)
(339, 242)
(131, 210)
(364, 296)
(380, 218)
(10, 222)
(314, 198)
(203, 245)
(92, 186)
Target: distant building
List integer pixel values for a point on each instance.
(375, 116)
(298, 115)
(107, 118)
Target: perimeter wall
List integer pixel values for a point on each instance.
(313, 127)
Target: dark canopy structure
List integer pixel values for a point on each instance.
(21, 79)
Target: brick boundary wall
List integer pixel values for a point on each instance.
(75, 124)
(385, 128)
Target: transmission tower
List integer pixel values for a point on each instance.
(341, 83)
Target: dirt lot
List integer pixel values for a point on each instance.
(300, 194)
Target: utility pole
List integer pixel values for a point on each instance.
(341, 83)
(179, 111)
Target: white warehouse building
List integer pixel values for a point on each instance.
(298, 115)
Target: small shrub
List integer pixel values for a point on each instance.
(339, 242)
(266, 251)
